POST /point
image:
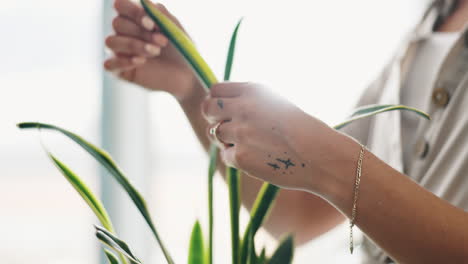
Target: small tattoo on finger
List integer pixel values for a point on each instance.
(220, 103)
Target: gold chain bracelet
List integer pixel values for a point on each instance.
(356, 192)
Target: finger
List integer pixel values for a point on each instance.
(132, 46)
(218, 109)
(127, 27)
(228, 89)
(122, 63)
(135, 13)
(231, 156)
(227, 133)
(128, 75)
(212, 132)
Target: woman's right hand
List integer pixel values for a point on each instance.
(143, 55)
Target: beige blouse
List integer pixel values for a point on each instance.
(437, 157)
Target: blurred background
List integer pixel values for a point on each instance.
(318, 54)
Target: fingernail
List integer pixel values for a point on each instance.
(138, 60)
(147, 23)
(160, 39)
(152, 50)
(106, 66)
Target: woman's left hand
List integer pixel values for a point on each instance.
(264, 135)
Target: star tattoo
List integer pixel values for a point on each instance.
(274, 166)
(287, 163)
(220, 103)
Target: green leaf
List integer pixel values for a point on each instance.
(186, 47)
(115, 243)
(233, 175)
(196, 248)
(84, 191)
(114, 238)
(371, 110)
(231, 52)
(107, 162)
(211, 172)
(284, 253)
(262, 258)
(182, 42)
(88, 196)
(106, 241)
(263, 204)
(233, 180)
(111, 257)
(251, 255)
(188, 50)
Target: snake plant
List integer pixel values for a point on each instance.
(200, 252)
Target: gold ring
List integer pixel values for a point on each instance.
(214, 132)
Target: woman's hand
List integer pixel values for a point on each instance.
(143, 55)
(266, 136)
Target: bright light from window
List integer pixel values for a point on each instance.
(49, 73)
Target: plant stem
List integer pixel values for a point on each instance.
(234, 200)
(263, 204)
(211, 172)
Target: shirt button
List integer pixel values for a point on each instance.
(440, 97)
(421, 148)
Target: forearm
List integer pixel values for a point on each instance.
(285, 146)
(302, 213)
(408, 222)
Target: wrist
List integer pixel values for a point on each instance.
(193, 91)
(193, 96)
(332, 158)
(340, 170)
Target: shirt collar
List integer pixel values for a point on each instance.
(436, 13)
